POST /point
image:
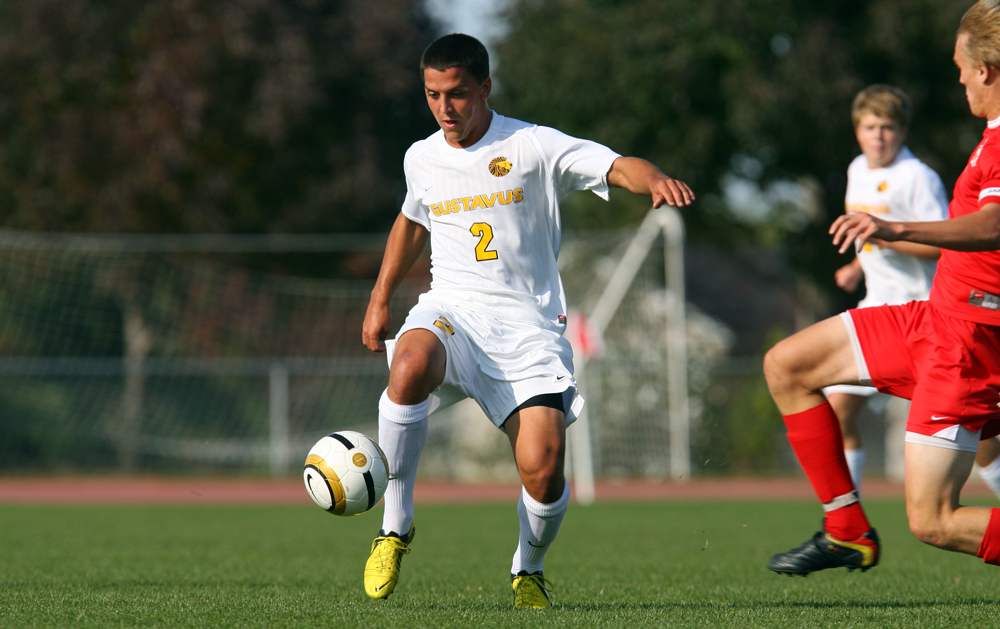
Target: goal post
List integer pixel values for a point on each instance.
(662, 222)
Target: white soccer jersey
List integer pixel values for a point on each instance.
(493, 214)
(905, 190)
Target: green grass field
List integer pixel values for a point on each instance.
(614, 565)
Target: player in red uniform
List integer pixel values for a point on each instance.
(943, 354)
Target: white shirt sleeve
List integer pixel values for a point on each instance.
(575, 164)
(928, 200)
(411, 209)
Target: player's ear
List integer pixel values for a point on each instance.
(487, 88)
(989, 74)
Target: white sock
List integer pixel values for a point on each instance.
(856, 464)
(539, 525)
(991, 475)
(402, 432)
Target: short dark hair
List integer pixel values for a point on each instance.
(457, 51)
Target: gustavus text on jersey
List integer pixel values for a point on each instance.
(477, 202)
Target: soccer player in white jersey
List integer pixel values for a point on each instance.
(486, 190)
(889, 181)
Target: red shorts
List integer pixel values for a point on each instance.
(949, 367)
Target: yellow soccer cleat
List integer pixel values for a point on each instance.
(530, 590)
(382, 568)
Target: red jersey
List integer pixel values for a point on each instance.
(967, 283)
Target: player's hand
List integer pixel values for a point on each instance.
(849, 276)
(378, 322)
(858, 229)
(673, 192)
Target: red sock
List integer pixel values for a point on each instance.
(989, 549)
(819, 445)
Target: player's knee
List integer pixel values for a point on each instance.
(412, 377)
(929, 530)
(545, 488)
(543, 477)
(777, 371)
(927, 534)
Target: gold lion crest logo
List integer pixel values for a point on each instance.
(499, 166)
(882, 187)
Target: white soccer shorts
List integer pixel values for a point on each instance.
(499, 364)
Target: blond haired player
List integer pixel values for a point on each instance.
(943, 354)
(889, 181)
(485, 189)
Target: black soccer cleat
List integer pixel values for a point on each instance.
(824, 551)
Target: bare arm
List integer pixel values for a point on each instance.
(913, 249)
(406, 241)
(641, 177)
(978, 231)
(849, 276)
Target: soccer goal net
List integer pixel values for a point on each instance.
(150, 353)
(160, 353)
(630, 337)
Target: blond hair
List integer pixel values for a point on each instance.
(982, 24)
(885, 101)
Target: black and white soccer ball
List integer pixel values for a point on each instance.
(346, 473)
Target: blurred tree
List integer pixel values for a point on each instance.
(759, 90)
(211, 116)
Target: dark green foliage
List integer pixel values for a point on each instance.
(741, 431)
(219, 116)
(698, 86)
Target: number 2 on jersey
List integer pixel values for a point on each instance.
(485, 233)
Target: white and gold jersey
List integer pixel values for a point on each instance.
(905, 190)
(493, 215)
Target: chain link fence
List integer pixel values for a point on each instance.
(153, 354)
